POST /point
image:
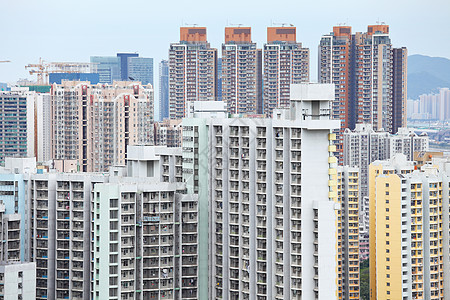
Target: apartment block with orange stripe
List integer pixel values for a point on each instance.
(192, 71)
(369, 76)
(241, 72)
(286, 62)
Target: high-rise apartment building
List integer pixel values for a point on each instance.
(144, 231)
(271, 229)
(369, 76)
(59, 218)
(43, 123)
(94, 124)
(399, 88)
(364, 146)
(409, 233)
(168, 133)
(17, 123)
(241, 71)
(348, 232)
(286, 62)
(192, 71)
(163, 90)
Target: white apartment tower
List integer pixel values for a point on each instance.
(144, 231)
(265, 185)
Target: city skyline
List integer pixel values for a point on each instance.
(138, 34)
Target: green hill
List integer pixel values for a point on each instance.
(427, 74)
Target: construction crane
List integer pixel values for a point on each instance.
(4, 61)
(42, 69)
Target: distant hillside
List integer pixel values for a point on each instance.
(427, 74)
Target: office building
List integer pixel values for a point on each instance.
(192, 71)
(271, 226)
(17, 119)
(241, 71)
(94, 124)
(286, 62)
(123, 67)
(140, 69)
(163, 90)
(93, 78)
(409, 235)
(17, 281)
(124, 63)
(363, 146)
(108, 68)
(369, 76)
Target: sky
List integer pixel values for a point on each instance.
(72, 31)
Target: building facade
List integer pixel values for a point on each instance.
(140, 69)
(163, 90)
(369, 76)
(271, 208)
(409, 252)
(241, 71)
(108, 68)
(192, 71)
(286, 62)
(17, 116)
(95, 124)
(17, 281)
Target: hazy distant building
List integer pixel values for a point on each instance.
(123, 61)
(140, 69)
(434, 106)
(163, 90)
(192, 71)
(241, 71)
(94, 124)
(286, 62)
(108, 68)
(124, 67)
(93, 78)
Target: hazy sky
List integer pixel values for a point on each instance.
(60, 30)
